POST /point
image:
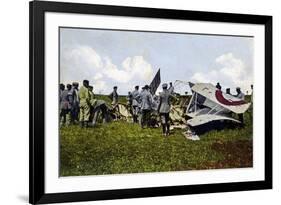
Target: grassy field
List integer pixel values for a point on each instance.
(121, 147)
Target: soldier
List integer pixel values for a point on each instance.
(171, 88)
(146, 103)
(97, 106)
(75, 107)
(164, 109)
(130, 102)
(66, 105)
(93, 103)
(228, 91)
(62, 87)
(218, 86)
(84, 99)
(241, 96)
(114, 97)
(135, 103)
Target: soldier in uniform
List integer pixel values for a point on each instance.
(97, 107)
(171, 88)
(241, 96)
(146, 103)
(135, 103)
(92, 103)
(84, 106)
(164, 109)
(130, 102)
(62, 87)
(114, 97)
(218, 86)
(228, 91)
(75, 106)
(66, 105)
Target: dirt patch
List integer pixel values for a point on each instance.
(238, 154)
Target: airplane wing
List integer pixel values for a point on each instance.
(229, 102)
(203, 119)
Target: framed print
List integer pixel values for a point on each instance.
(140, 102)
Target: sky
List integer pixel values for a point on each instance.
(127, 58)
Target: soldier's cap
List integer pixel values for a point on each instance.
(115, 87)
(136, 86)
(238, 88)
(164, 85)
(75, 84)
(146, 87)
(86, 81)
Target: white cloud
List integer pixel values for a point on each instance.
(87, 55)
(230, 72)
(100, 87)
(84, 62)
(98, 76)
(112, 71)
(137, 66)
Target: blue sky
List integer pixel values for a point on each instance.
(128, 58)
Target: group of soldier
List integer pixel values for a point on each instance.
(143, 103)
(240, 95)
(80, 105)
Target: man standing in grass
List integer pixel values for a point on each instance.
(66, 105)
(84, 99)
(93, 102)
(114, 97)
(135, 103)
(146, 103)
(164, 109)
(75, 106)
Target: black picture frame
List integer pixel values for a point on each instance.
(37, 11)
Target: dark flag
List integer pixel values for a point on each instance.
(155, 82)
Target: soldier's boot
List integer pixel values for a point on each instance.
(168, 129)
(164, 129)
(135, 117)
(81, 124)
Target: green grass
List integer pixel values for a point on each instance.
(121, 147)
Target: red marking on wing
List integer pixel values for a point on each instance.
(224, 101)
